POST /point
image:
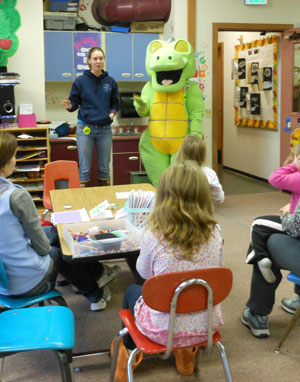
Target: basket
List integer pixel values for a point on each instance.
(137, 216)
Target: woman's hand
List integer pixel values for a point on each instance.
(66, 103)
(285, 210)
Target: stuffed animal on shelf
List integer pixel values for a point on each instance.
(173, 103)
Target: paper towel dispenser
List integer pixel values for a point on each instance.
(127, 110)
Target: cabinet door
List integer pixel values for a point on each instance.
(58, 56)
(83, 42)
(123, 164)
(119, 56)
(140, 43)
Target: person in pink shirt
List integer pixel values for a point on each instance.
(181, 234)
(285, 178)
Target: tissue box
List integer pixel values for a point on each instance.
(27, 120)
(76, 236)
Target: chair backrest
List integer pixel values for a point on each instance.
(159, 290)
(58, 175)
(3, 277)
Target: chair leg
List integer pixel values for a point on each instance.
(288, 329)
(197, 360)
(221, 349)
(1, 368)
(121, 334)
(64, 365)
(59, 300)
(131, 358)
(43, 216)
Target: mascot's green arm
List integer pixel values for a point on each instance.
(142, 104)
(195, 108)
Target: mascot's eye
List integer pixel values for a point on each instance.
(158, 58)
(170, 57)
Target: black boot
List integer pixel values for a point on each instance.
(104, 182)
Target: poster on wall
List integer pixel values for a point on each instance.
(257, 81)
(241, 68)
(267, 78)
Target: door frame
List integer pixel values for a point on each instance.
(230, 27)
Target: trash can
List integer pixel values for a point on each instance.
(139, 177)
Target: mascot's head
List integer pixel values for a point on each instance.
(169, 65)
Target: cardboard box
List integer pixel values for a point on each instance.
(130, 237)
(147, 26)
(60, 21)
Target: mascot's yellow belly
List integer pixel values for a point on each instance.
(168, 122)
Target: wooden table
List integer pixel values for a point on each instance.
(89, 198)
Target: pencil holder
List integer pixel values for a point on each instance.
(137, 216)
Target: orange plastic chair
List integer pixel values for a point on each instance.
(59, 174)
(178, 292)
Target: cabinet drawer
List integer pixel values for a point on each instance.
(126, 146)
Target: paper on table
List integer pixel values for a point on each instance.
(75, 216)
(122, 195)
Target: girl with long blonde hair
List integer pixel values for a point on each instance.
(181, 235)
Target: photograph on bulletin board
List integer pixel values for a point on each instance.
(254, 71)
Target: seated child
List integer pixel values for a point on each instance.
(194, 148)
(31, 255)
(181, 234)
(287, 178)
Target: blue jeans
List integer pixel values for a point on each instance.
(101, 136)
(284, 253)
(131, 296)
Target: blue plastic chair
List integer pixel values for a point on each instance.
(23, 302)
(296, 280)
(41, 328)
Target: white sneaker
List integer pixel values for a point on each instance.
(108, 275)
(106, 293)
(100, 305)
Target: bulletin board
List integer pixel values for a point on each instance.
(254, 70)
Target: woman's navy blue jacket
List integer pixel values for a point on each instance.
(96, 98)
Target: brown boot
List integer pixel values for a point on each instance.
(104, 182)
(121, 369)
(185, 360)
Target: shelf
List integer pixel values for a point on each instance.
(30, 151)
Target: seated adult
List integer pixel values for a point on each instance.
(284, 251)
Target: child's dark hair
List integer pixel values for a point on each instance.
(8, 146)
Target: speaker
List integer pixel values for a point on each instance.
(7, 101)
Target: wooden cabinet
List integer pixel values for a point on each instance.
(126, 54)
(66, 149)
(125, 158)
(66, 53)
(32, 154)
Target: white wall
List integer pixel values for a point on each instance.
(29, 58)
(254, 151)
(234, 11)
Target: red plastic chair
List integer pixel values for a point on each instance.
(59, 174)
(178, 292)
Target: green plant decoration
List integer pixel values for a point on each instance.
(10, 21)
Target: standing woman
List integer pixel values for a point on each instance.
(96, 95)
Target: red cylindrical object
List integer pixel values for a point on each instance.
(109, 12)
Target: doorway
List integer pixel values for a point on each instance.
(217, 127)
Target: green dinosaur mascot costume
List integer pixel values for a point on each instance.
(173, 103)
